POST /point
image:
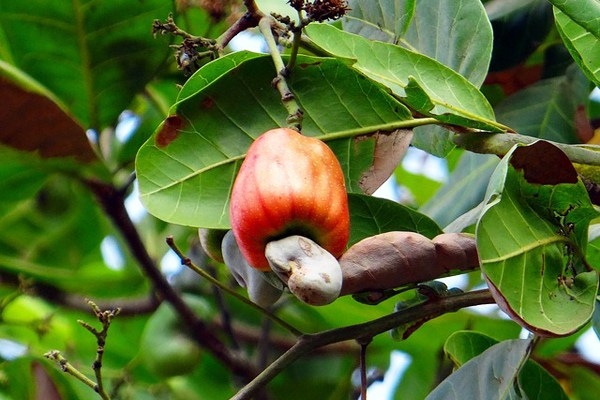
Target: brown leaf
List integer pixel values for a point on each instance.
(33, 122)
(543, 163)
(389, 149)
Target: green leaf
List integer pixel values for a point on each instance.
(462, 346)
(20, 178)
(382, 20)
(372, 215)
(584, 382)
(547, 108)
(581, 42)
(464, 189)
(416, 79)
(35, 377)
(421, 187)
(585, 13)
(94, 56)
(535, 381)
(186, 169)
(490, 375)
(457, 34)
(48, 238)
(532, 237)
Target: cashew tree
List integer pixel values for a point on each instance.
(191, 203)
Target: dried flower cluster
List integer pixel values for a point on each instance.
(321, 10)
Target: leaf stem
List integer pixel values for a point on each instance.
(295, 113)
(390, 126)
(188, 263)
(296, 40)
(363, 331)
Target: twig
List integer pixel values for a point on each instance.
(295, 113)
(296, 40)
(363, 368)
(308, 343)
(188, 263)
(105, 318)
(248, 20)
(226, 320)
(66, 366)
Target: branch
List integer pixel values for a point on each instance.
(105, 318)
(113, 203)
(67, 367)
(364, 331)
(248, 20)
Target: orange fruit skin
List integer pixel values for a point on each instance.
(289, 184)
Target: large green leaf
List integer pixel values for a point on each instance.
(581, 42)
(382, 20)
(464, 190)
(490, 375)
(535, 381)
(457, 34)
(20, 178)
(371, 215)
(94, 56)
(585, 13)
(547, 108)
(422, 83)
(532, 239)
(186, 169)
(48, 238)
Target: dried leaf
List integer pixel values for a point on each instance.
(389, 149)
(42, 126)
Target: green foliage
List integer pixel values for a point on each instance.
(532, 238)
(389, 74)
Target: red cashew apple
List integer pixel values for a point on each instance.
(289, 184)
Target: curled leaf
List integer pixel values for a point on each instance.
(389, 149)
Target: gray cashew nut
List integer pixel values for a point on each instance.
(261, 290)
(312, 274)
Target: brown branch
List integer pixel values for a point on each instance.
(113, 203)
(308, 343)
(56, 295)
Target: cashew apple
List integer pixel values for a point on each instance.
(289, 184)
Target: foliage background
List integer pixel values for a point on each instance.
(69, 69)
